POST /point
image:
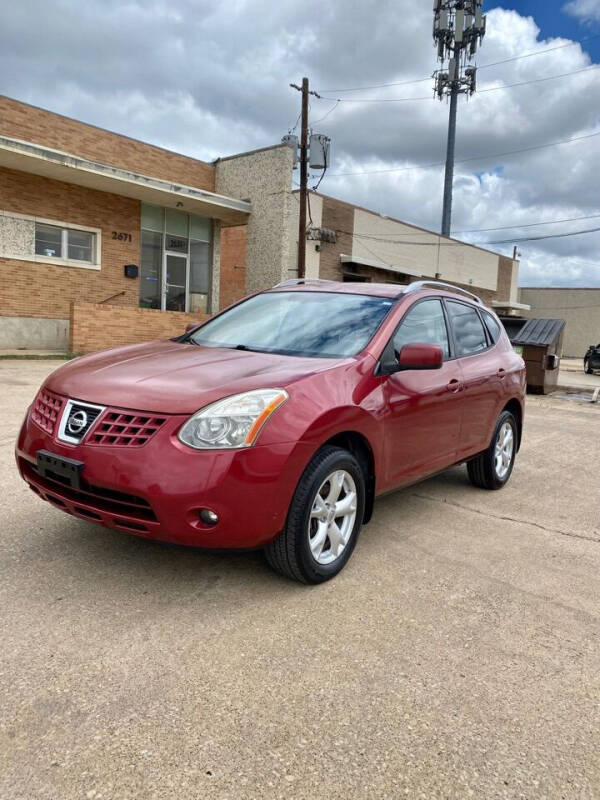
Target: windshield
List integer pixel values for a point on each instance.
(322, 324)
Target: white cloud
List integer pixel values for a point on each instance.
(586, 10)
(213, 79)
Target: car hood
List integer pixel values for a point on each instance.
(177, 378)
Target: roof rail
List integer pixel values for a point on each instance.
(300, 281)
(416, 285)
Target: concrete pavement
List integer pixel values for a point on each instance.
(571, 374)
(456, 656)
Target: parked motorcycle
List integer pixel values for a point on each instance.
(591, 360)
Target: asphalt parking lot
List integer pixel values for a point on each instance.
(456, 656)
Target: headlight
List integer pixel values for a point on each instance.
(233, 422)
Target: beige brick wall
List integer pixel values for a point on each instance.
(579, 307)
(34, 289)
(31, 124)
(98, 327)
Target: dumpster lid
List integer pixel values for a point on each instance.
(540, 331)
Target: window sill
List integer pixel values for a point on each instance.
(56, 262)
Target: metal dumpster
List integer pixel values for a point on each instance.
(540, 343)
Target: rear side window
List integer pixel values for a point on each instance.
(469, 335)
(493, 326)
(424, 323)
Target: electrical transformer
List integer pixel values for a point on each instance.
(319, 151)
(292, 141)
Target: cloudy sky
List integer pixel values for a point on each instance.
(210, 79)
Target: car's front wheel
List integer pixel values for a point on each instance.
(324, 519)
(492, 468)
(587, 366)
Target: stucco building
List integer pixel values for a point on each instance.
(579, 307)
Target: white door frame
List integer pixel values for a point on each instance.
(165, 285)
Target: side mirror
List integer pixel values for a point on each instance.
(191, 326)
(420, 356)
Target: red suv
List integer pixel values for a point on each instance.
(276, 423)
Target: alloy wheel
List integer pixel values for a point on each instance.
(332, 517)
(503, 451)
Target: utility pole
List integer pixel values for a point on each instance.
(303, 175)
(458, 26)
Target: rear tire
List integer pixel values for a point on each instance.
(492, 468)
(587, 368)
(316, 543)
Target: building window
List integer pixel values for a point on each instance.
(66, 244)
(48, 240)
(150, 286)
(176, 260)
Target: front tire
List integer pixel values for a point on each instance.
(587, 367)
(324, 519)
(492, 468)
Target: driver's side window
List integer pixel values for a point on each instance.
(423, 323)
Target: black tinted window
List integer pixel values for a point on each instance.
(467, 327)
(493, 326)
(424, 323)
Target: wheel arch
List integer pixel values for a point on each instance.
(360, 447)
(516, 409)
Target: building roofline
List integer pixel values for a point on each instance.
(106, 130)
(249, 153)
(58, 165)
(408, 224)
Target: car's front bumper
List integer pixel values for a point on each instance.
(158, 490)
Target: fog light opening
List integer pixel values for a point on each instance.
(208, 517)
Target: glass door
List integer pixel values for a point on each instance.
(175, 282)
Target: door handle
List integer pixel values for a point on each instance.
(454, 386)
(501, 373)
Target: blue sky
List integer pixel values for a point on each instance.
(553, 20)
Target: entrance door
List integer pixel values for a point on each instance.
(175, 282)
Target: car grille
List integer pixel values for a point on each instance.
(125, 428)
(96, 501)
(82, 416)
(46, 410)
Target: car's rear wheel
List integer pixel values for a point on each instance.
(588, 367)
(492, 468)
(324, 519)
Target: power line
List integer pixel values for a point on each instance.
(333, 108)
(382, 239)
(540, 80)
(483, 66)
(527, 225)
(545, 236)
(502, 228)
(540, 52)
(489, 89)
(465, 160)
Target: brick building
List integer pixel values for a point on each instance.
(105, 240)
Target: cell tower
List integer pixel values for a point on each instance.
(458, 27)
